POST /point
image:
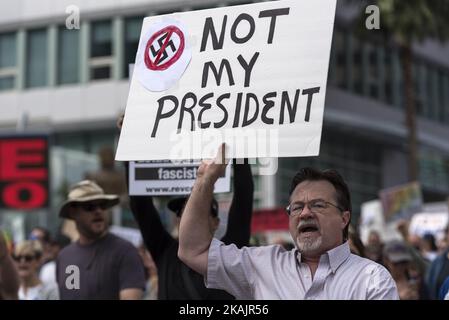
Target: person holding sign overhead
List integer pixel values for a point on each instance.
(176, 280)
(320, 267)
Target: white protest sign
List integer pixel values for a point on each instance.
(156, 178)
(433, 223)
(372, 219)
(252, 76)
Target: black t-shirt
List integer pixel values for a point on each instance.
(106, 267)
(179, 282)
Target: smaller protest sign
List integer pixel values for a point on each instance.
(429, 223)
(401, 202)
(164, 177)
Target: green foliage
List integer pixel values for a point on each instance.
(405, 20)
(415, 19)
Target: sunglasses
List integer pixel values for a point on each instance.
(92, 206)
(27, 258)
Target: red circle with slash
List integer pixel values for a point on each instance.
(153, 65)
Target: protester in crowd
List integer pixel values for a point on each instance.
(151, 277)
(27, 255)
(429, 250)
(176, 280)
(47, 272)
(438, 270)
(444, 290)
(399, 261)
(107, 267)
(355, 243)
(321, 266)
(374, 247)
(42, 235)
(9, 277)
(413, 242)
(111, 180)
(443, 242)
(108, 177)
(374, 238)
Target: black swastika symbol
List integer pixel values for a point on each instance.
(164, 54)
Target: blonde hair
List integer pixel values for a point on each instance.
(29, 246)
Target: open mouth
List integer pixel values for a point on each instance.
(308, 229)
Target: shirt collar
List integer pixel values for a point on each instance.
(336, 256)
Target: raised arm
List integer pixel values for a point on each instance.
(195, 235)
(154, 234)
(238, 230)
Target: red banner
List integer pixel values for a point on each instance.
(23, 172)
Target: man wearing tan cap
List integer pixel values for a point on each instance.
(99, 265)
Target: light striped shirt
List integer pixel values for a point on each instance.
(271, 272)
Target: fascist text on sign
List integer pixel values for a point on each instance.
(157, 178)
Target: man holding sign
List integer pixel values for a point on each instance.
(320, 267)
(176, 280)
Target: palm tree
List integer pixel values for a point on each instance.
(406, 22)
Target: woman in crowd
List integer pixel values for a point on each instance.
(27, 256)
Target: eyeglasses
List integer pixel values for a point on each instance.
(92, 206)
(315, 206)
(26, 257)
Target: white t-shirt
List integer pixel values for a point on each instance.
(40, 292)
(48, 272)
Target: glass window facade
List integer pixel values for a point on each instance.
(132, 33)
(37, 58)
(7, 82)
(68, 55)
(8, 50)
(8, 57)
(86, 141)
(101, 50)
(101, 39)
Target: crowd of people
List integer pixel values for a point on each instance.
(326, 261)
